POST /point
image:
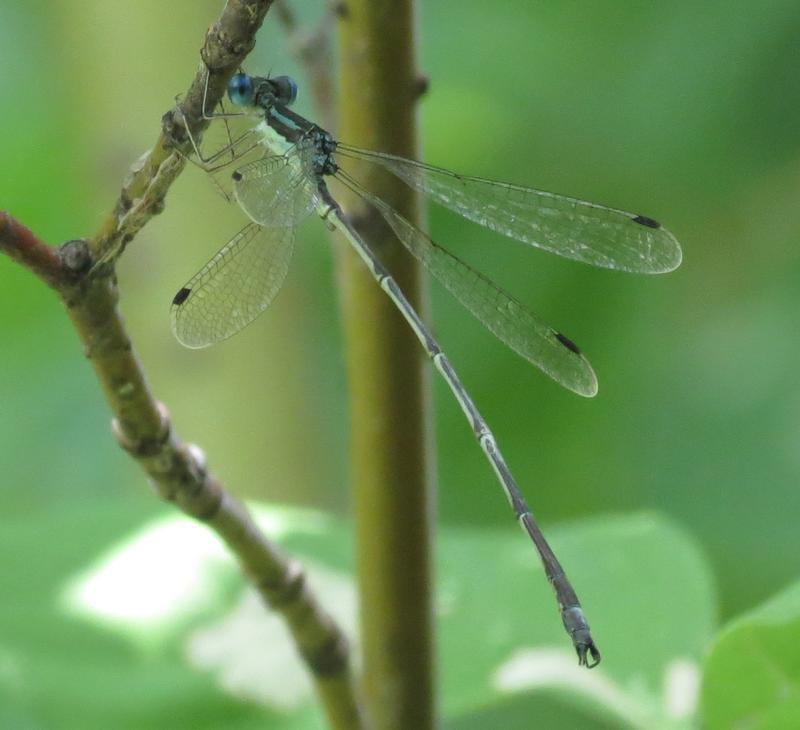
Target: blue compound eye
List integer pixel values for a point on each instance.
(240, 90)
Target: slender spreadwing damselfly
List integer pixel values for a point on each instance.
(286, 182)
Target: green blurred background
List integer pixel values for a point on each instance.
(687, 112)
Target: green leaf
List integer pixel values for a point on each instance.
(646, 591)
(162, 624)
(752, 675)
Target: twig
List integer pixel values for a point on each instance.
(227, 44)
(141, 423)
(177, 469)
(20, 244)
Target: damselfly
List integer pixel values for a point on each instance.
(287, 182)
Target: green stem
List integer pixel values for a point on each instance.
(388, 384)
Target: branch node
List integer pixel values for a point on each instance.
(286, 589)
(155, 208)
(124, 204)
(173, 125)
(421, 85)
(199, 494)
(330, 658)
(144, 447)
(198, 456)
(75, 256)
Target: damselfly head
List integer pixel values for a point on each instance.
(241, 89)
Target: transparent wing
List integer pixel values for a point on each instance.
(587, 232)
(277, 190)
(232, 289)
(509, 320)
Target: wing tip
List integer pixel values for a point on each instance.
(589, 386)
(677, 255)
(584, 381)
(668, 254)
(187, 342)
(193, 345)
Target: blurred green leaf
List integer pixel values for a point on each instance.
(502, 637)
(161, 625)
(523, 712)
(752, 675)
